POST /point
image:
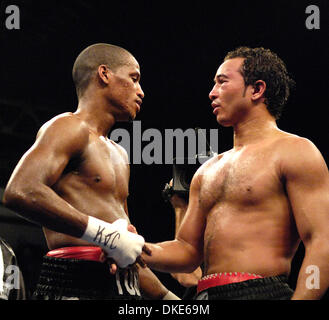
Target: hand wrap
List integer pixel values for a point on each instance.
(116, 241)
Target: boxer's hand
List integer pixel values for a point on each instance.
(117, 242)
(113, 265)
(146, 249)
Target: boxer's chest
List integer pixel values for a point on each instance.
(106, 168)
(245, 177)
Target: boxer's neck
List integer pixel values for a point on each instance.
(96, 114)
(254, 129)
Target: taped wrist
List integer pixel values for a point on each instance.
(101, 233)
(115, 239)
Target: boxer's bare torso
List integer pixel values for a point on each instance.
(249, 222)
(251, 206)
(94, 181)
(74, 172)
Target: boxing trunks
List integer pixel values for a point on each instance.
(79, 273)
(243, 286)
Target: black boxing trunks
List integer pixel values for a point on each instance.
(80, 273)
(243, 286)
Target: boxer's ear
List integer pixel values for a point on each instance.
(258, 91)
(104, 73)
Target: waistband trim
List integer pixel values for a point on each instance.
(223, 278)
(79, 253)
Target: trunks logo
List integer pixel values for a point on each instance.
(128, 282)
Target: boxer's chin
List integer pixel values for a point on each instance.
(129, 117)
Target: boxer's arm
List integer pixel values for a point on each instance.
(188, 279)
(180, 207)
(150, 285)
(307, 183)
(152, 288)
(29, 189)
(29, 192)
(185, 253)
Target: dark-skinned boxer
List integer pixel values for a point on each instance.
(74, 182)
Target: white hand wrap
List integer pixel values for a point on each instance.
(170, 296)
(120, 244)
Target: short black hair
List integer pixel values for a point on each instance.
(91, 58)
(263, 64)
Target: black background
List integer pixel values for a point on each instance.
(179, 46)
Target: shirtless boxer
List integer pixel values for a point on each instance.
(74, 182)
(250, 207)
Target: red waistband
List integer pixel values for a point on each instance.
(221, 279)
(80, 253)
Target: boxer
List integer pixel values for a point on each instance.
(250, 207)
(74, 183)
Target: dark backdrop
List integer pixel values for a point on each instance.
(179, 46)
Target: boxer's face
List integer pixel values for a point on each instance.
(125, 92)
(229, 95)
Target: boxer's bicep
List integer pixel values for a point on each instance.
(307, 185)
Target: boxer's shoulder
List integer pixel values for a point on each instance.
(291, 145)
(207, 167)
(67, 128)
(65, 122)
(119, 148)
(296, 153)
(62, 121)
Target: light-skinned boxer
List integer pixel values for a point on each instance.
(250, 207)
